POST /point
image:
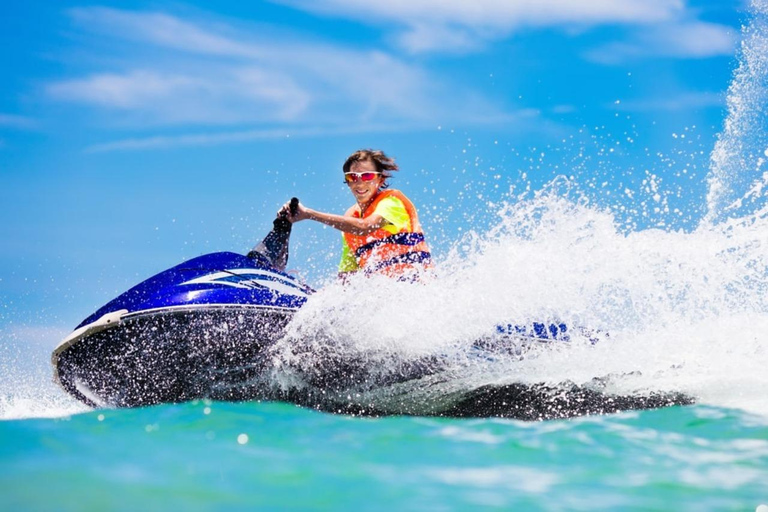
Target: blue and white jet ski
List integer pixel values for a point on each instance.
(206, 328)
(192, 331)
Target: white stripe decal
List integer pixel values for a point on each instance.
(250, 278)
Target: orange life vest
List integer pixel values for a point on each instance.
(381, 251)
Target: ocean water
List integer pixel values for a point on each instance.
(664, 311)
(223, 456)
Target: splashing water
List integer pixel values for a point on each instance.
(670, 310)
(678, 311)
(684, 311)
(738, 183)
(26, 384)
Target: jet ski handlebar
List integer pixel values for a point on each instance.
(274, 247)
(293, 207)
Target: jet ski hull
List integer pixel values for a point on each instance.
(196, 330)
(170, 355)
(206, 329)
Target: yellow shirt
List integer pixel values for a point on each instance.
(393, 211)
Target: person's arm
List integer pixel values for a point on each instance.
(353, 225)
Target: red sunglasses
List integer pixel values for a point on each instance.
(352, 177)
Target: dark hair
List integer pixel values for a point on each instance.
(384, 164)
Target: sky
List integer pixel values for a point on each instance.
(135, 135)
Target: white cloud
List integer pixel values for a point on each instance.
(233, 95)
(676, 40)
(162, 30)
(121, 91)
(430, 25)
(156, 69)
(250, 80)
(425, 37)
(503, 14)
(695, 39)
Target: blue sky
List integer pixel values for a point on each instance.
(134, 135)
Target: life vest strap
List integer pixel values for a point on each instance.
(398, 238)
(422, 257)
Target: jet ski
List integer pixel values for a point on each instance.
(195, 330)
(206, 328)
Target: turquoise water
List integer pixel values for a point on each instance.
(679, 312)
(215, 456)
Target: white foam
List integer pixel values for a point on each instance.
(683, 311)
(737, 182)
(26, 376)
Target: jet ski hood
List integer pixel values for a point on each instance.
(224, 279)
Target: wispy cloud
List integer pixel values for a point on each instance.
(694, 39)
(162, 30)
(523, 118)
(459, 25)
(498, 13)
(252, 79)
(241, 94)
(122, 91)
(673, 103)
(214, 139)
(154, 70)
(675, 40)
(17, 122)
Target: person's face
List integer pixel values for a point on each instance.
(364, 191)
